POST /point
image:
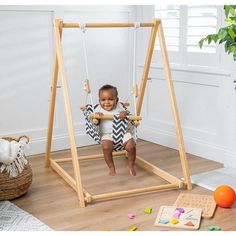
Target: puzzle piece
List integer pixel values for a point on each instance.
(191, 218)
(134, 228)
(174, 221)
(148, 210)
(176, 214)
(131, 216)
(214, 228)
(180, 209)
(189, 223)
(164, 221)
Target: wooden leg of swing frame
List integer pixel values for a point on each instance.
(69, 119)
(172, 97)
(52, 107)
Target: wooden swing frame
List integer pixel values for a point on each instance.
(76, 183)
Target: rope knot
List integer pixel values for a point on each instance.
(83, 27)
(136, 25)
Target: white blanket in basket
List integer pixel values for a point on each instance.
(12, 157)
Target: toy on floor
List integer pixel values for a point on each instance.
(179, 217)
(214, 228)
(148, 210)
(131, 216)
(224, 196)
(204, 202)
(133, 228)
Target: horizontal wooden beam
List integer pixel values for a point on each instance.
(90, 157)
(133, 192)
(161, 173)
(107, 25)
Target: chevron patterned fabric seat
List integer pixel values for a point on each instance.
(91, 129)
(119, 128)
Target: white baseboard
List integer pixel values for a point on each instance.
(230, 159)
(192, 145)
(59, 142)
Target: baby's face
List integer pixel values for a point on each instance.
(108, 99)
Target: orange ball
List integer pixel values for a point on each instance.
(224, 196)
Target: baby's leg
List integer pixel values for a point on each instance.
(130, 147)
(107, 147)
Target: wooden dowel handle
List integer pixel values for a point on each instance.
(110, 117)
(82, 107)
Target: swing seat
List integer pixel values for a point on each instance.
(119, 126)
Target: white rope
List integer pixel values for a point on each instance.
(136, 26)
(128, 97)
(91, 100)
(83, 30)
(86, 99)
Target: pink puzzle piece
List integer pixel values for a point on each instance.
(131, 216)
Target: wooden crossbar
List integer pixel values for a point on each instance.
(134, 192)
(76, 183)
(161, 173)
(90, 157)
(106, 25)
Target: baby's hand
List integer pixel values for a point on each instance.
(122, 115)
(96, 121)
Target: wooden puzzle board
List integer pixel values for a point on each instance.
(169, 216)
(205, 202)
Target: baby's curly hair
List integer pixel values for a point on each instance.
(108, 87)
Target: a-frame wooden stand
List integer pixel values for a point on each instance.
(76, 183)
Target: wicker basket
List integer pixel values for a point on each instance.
(13, 187)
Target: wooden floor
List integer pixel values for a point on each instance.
(52, 201)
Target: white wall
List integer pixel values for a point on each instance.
(206, 102)
(26, 65)
(206, 98)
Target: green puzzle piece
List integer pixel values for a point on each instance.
(214, 228)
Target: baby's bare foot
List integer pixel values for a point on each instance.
(112, 171)
(132, 170)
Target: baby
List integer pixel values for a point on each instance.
(108, 99)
